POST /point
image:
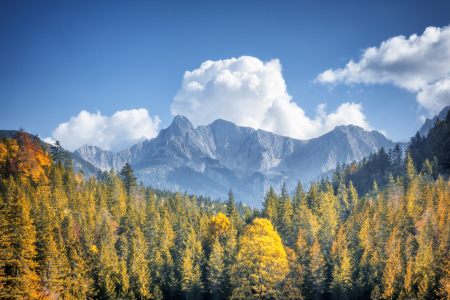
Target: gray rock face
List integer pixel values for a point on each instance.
(102, 159)
(430, 123)
(210, 159)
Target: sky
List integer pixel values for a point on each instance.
(112, 73)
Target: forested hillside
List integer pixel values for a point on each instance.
(65, 237)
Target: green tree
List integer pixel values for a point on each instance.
(285, 226)
(231, 211)
(128, 178)
(270, 206)
(216, 271)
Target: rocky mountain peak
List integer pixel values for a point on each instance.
(179, 128)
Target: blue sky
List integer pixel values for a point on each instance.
(59, 58)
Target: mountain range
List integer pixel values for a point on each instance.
(209, 160)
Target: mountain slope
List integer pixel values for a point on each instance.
(79, 164)
(429, 123)
(210, 159)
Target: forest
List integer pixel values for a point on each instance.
(378, 229)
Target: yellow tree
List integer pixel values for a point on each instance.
(191, 283)
(394, 270)
(343, 267)
(261, 263)
(293, 284)
(317, 270)
(218, 227)
(426, 265)
(18, 279)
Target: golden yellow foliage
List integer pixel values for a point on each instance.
(261, 263)
(218, 227)
(79, 178)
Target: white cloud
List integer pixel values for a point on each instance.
(253, 93)
(121, 130)
(435, 96)
(418, 64)
(49, 140)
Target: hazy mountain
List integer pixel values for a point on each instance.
(210, 159)
(429, 123)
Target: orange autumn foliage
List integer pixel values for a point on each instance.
(24, 157)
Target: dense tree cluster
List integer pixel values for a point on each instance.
(65, 237)
(429, 154)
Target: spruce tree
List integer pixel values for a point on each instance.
(216, 271)
(128, 178)
(231, 211)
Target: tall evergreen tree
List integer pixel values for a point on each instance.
(128, 178)
(317, 269)
(270, 211)
(231, 211)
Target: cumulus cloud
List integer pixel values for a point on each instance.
(436, 96)
(253, 93)
(419, 64)
(121, 130)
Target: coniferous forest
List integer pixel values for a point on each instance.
(378, 229)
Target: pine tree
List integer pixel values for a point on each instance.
(299, 205)
(409, 171)
(107, 262)
(52, 263)
(285, 212)
(230, 253)
(117, 202)
(352, 195)
(426, 265)
(427, 171)
(343, 267)
(123, 281)
(294, 281)
(231, 211)
(78, 284)
(317, 269)
(270, 206)
(140, 280)
(18, 279)
(191, 283)
(216, 271)
(344, 203)
(56, 151)
(128, 178)
(394, 271)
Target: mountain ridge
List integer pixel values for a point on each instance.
(430, 122)
(211, 159)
